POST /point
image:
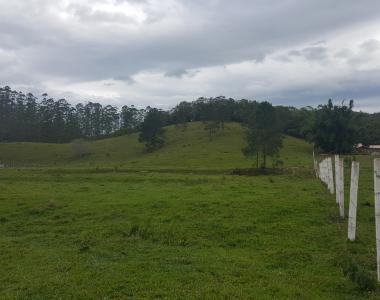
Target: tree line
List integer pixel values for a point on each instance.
(25, 117)
(332, 128)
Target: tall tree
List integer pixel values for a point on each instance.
(110, 119)
(152, 133)
(333, 130)
(263, 134)
(131, 118)
(32, 128)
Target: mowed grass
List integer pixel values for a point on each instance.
(173, 224)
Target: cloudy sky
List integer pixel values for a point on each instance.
(160, 52)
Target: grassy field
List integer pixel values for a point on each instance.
(185, 149)
(124, 224)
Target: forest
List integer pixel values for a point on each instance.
(25, 117)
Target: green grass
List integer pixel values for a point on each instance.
(185, 149)
(87, 230)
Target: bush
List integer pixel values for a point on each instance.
(365, 281)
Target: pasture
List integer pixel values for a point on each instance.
(175, 224)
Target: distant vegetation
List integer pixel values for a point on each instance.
(151, 131)
(334, 129)
(263, 135)
(24, 117)
(189, 149)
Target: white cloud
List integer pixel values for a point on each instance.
(153, 52)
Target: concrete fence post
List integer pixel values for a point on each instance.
(341, 187)
(330, 175)
(353, 200)
(377, 212)
(336, 160)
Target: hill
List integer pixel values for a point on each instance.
(76, 231)
(187, 147)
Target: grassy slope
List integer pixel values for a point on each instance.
(189, 149)
(92, 235)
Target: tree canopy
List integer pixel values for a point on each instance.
(25, 117)
(333, 130)
(151, 132)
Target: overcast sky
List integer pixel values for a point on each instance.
(160, 52)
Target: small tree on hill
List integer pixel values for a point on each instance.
(263, 135)
(152, 133)
(211, 127)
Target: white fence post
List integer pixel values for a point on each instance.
(330, 175)
(377, 212)
(315, 165)
(341, 187)
(336, 178)
(353, 200)
(322, 170)
(325, 172)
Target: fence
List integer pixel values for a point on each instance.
(324, 171)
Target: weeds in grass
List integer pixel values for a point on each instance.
(142, 232)
(357, 274)
(85, 241)
(168, 236)
(44, 208)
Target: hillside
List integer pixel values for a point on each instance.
(189, 148)
(72, 231)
